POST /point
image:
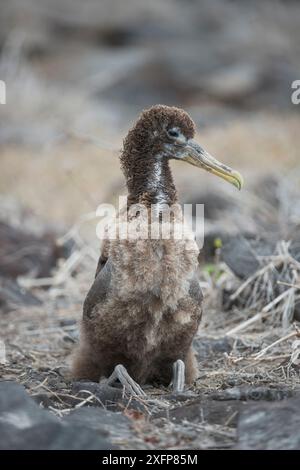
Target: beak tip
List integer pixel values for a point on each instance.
(238, 180)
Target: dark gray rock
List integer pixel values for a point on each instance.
(223, 406)
(252, 393)
(50, 435)
(270, 426)
(186, 395)
(111, 397)
(206, 347)
(13, 296)
(205, 411)
(44, 399)
(103, 422)
(24, 425)
(297, 311)
(25, 253)
(103, 392)
(241, 254)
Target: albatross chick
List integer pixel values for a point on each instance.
(144, 308)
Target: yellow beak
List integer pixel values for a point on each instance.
(197, 156)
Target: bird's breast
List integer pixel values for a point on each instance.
(145, 269)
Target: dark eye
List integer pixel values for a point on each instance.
(173, 133)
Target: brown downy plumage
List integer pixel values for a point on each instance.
(144, 307)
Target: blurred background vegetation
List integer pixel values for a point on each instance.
(78, 73)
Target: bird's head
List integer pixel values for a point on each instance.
(164, 132)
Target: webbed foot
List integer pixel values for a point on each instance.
(120, 374)
(178, 380)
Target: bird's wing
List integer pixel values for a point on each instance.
(101, 263)
(103, 257)
(195, 291)
(99, 290)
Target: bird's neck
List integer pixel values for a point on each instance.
(152, 183)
